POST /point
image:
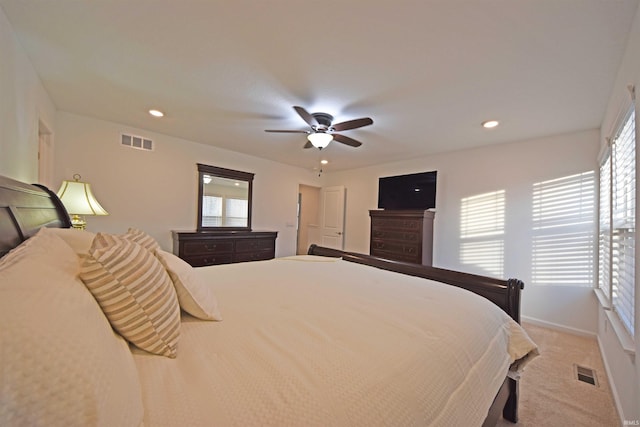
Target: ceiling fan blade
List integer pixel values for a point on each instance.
(311, 121)
(346, 140)
(287, 131)
(308, 145)
(352, 124)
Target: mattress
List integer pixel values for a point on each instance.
(312, 341)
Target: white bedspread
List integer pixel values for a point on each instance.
(309, 341)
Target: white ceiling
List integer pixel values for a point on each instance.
(427, 72)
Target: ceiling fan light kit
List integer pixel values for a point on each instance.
(322, 130)
(320, 139)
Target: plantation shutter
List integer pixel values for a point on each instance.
(604, 233)
(623, 221)
(563, 227)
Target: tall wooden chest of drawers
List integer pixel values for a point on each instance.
(404, 235)
(223, 247)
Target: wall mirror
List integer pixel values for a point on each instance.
(224, 199)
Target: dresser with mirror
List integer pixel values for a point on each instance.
(223, 233)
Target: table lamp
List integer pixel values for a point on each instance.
(77, 198)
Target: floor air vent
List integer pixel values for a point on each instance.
(586, 375)
(138, 142)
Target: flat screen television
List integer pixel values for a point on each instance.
(413, 191)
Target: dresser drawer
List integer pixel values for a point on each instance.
(207, 247)
(399, 248)
(403, 236)
(250, 245)
(202, 260)
(409, 224)
(253, 256)
(414, 259)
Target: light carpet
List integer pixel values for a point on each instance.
(550, 394)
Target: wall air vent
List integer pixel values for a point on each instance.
(139, 142)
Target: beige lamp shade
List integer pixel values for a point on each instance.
(78, 199)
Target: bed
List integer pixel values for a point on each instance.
(331, 338)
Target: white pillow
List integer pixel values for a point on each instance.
(61, 362)
(135, 293)
(195, 297)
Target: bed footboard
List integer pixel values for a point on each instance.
(504, 293)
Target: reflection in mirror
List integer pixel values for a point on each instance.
(224, 200)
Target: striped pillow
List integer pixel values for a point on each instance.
(135, 293)
(142, 238)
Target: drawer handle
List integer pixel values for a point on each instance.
(209, 247)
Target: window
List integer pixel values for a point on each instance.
(482, 232)
(211, 211)
(563, 231)
(235, 211)
(618, 221)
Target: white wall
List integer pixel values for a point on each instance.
(513, 167)
(624, 369)
(23, 103)
(156, 191)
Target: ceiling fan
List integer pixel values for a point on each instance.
(322, 130)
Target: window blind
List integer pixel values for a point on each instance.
(211, 211)
(604, 229)
(237, 212)
(618, 222)
(623, 222)
(563, 246)
(482, 232)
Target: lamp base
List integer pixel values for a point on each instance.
(78, 222)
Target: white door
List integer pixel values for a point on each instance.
(332, 217)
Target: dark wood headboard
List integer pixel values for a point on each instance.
(24, 209)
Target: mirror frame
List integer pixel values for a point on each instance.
(223, 173)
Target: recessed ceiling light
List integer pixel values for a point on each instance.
(490, 124)
(156, 113)
(324, 162)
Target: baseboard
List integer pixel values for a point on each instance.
(558, 327)
(612, 386)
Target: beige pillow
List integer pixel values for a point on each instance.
(135, 293)
(62, 363)
(142, 238)
(47, 243)
(79, 240)
(195, 297)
